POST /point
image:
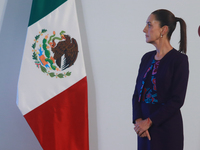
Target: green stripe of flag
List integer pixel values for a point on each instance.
(41, 8)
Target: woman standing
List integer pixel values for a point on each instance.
(161, 86)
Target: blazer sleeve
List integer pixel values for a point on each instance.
(177, 92)
(137, 113)
(136, 106)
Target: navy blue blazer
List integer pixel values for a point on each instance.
(171, 82)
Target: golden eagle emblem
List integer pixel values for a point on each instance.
(54, 54)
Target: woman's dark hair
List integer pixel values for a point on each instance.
(165, 17)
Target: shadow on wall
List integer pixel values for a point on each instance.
(15, 132)
(93, 135)
(3, 4)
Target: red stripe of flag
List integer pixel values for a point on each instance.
(61, 123)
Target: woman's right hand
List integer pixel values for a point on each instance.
(145, 133)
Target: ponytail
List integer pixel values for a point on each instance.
(183, 40)
(165, 17)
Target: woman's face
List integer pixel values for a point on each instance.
(152, 30)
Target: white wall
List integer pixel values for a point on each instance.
(113, 44)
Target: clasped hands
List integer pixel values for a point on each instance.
(142, 126)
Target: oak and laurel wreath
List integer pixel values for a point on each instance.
(37, 62)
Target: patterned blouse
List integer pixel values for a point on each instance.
(148, 92)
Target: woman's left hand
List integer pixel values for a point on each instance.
(142, 126)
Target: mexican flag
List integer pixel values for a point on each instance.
(52, 86)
